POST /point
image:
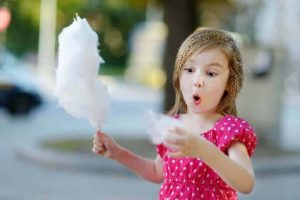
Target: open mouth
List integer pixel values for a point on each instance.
(196, 99)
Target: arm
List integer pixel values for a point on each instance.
(235, 169)
(151, 170)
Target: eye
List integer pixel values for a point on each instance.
(211, 74)
(189, 69)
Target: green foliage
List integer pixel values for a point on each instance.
(112, 70)
(22, 33)
(113, 20)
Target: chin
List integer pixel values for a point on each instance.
(196, 111)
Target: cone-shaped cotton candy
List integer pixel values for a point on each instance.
(78, 87)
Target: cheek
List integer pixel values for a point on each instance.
(185, 85)
(222, 84)
(184, 92)
(218, 89)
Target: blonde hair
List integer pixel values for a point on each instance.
(204, 39)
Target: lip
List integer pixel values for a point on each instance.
(196, 99)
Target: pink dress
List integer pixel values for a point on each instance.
(191, 179)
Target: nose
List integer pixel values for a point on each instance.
(198, 81)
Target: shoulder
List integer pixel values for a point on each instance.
(230, 122)
(231, 129)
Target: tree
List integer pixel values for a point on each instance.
(181, 19)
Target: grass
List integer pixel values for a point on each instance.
(84, 145)
(80, 145)
(112, 70)
(141, 146)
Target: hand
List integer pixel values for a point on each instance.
(105, 146)
(183, 143)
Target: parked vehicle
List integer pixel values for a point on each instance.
(18, 88)
(16, 100)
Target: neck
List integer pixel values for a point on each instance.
(211, 115)
(199, 122)
(208, 117)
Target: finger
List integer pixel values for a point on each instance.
(171, 141)
(98, 150)
(100, 137)
(178, 130)
(102, 152)
(99, 143)
(101, 134)
(97, 139)
(94, 150)
(175, 154)
(174, 139)
(96, 146)
(172, 145)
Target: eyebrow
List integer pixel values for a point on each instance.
(215, 64)
(208, 65)
(190, 62)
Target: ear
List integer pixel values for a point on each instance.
(227, 88)
(225, 94)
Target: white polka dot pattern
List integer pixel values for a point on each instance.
(190, 178)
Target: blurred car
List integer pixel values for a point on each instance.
(18, 86)
(16, 100)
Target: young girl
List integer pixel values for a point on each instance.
(210, 157)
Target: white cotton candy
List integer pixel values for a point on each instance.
(78, 87)
(158, 125)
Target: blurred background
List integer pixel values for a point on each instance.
(46, 154)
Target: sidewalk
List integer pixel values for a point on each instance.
(57, 175)
(277, 175)
(266, 160)
(129, 103)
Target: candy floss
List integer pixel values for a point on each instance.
(78, 87)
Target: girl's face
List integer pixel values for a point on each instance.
(203, 80)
